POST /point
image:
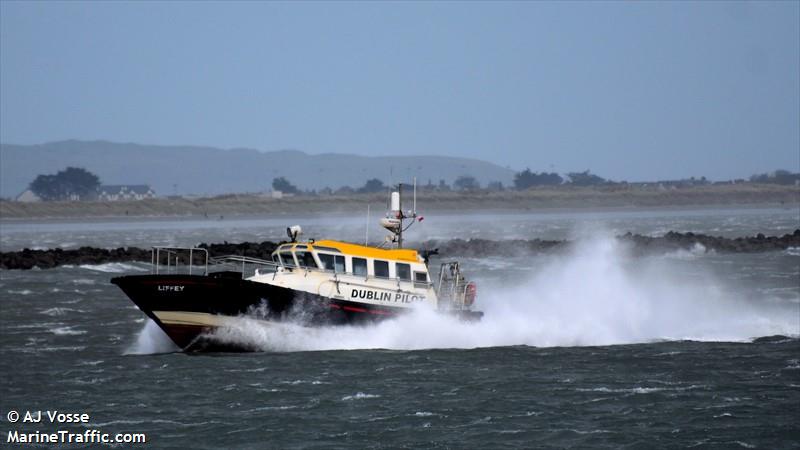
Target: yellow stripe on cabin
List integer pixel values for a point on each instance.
(401, 254)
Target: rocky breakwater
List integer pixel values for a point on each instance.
(687, 241)
(640, 244)
(486, 247)
(45, 259)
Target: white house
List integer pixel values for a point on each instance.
(113, 193)
(28, 196)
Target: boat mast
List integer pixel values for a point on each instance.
(394, 220)
(400, 214)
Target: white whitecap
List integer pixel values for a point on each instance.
(66, 331)
(114, 267)
(59, 311)
(359, 396)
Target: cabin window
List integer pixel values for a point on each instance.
(326, 260)
(420, 278)
(287, 259)
(306, 259)
(359, 266)
(275, 258)
(333, 263)
(403, 271)
(381, 268)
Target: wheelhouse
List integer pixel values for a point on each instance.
(403, 265)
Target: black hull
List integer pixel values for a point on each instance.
(169, 299)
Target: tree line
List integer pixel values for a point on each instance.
(522, 180)
(75, 183)
(72, 183)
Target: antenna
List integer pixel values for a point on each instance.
(415, 197)
(400, 213)
(394, 220)
(366, 231)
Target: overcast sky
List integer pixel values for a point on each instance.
(630, 90)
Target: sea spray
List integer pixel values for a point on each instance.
(599, 294)
(596, 294)
(151, 339)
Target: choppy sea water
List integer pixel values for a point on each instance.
(16, 235)
(591, 347)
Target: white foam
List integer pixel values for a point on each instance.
(59, 311)
(641, 390)
(20, 292)
(296, 382)
(359, 396)
(66, 331)
(114, 267)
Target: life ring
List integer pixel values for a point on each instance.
(470, 293)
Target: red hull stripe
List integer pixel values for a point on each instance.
(363, 310)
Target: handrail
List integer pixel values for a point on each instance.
(155, 257)
(452, 289)
(230, 260)
(235, 260)
(240, 258)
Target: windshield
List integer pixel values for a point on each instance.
(306, 259)
(287, 259)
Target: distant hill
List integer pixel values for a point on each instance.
(211, 171)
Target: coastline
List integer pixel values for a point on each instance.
(542, 200)
(27, 259)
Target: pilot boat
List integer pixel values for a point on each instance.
(190, 295)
